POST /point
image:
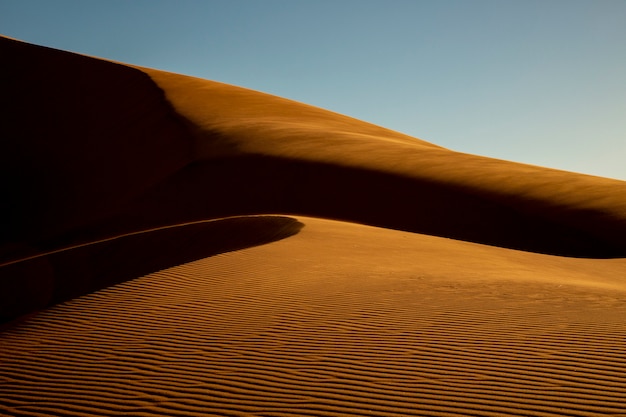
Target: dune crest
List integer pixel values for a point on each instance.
(587, 214)
(177, 246)
(46, 279)
(339, 319)
(200, 149)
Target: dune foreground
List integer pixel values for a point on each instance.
(173, 246)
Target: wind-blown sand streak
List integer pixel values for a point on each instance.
(339, 319)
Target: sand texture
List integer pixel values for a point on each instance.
(173, 246)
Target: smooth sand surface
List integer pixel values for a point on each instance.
(144, 269)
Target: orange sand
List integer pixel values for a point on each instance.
(144, 271)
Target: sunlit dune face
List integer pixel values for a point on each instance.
(176, 246)
(339, 319)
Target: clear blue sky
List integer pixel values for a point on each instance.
(535, 81)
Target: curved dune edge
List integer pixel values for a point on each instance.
(125, 149)
(252, 123)
(37, 282)
(340, 319)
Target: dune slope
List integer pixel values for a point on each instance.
(108, 158)
(340, 319)
(178, 246)
(306, 160)
(80, 138)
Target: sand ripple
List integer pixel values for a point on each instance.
(252, 333)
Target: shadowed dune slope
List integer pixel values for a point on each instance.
(40, 281)
(79, 138)
(326, 164)
(339, 319)
(91, 149)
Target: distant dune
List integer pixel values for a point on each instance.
(177, 246)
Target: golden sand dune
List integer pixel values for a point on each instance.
(144, 202)
(98, 149)
(340, 319)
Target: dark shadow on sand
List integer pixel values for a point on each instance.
(260, 184)
(39, 282)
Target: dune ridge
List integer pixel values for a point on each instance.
(178, 246)
(281, 156)
(340, 319)
(36, 282)
(258, 124)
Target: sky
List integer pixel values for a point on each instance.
(534, 81)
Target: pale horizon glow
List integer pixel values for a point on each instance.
(534, 81)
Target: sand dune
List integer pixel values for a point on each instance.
(253, 153)
(164, 252)
(60, 275)
(340, 319)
